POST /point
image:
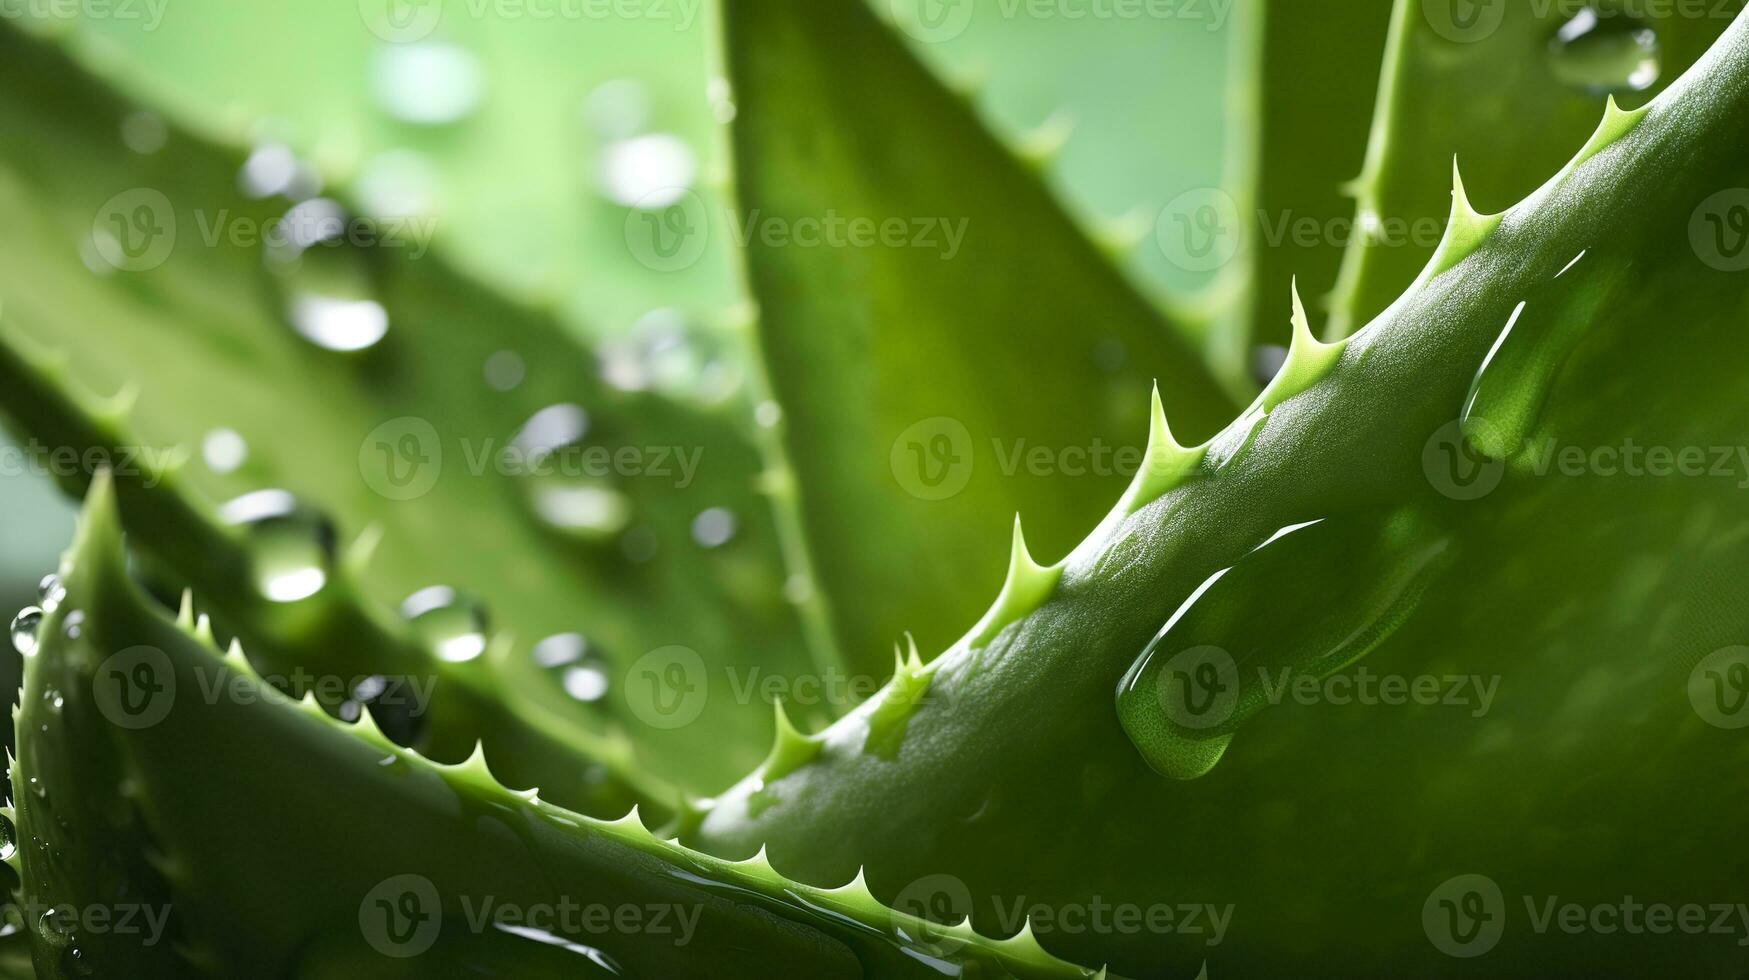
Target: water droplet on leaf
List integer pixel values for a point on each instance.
(50, 591)
(1606, 52)
(649, 172)
(1342, 586)
(452, 625)
(223, 450)
(291, 547)
(713, 527)
(24, 626)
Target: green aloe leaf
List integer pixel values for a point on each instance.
(913, 277)
(363, 856)
(398, 444)
(1522, 485)
(519, 126)
(1509, 89)
(1292, 216)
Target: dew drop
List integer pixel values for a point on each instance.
(50, 591)
(24, 626)
(560, 649)
(429, 84)
(586, 682)
(291, 547)
(144, 132)
(338, 323)
(666, 352)
(8, 839)
(505, 370)
(648, 172)
(1343, 584)
(550, 429)
(452, 625)
(273, 169)
(1605, 52)
(223, 450)
(713, 527)
(617, 108)
(575, 505)
(768, 414)
(73, 624)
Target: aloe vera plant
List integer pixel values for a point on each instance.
(1422, 657)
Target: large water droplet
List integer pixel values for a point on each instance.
(1310, 601)
(291, 547)
(338, 323)
(50, 591)
(330, 299)
(1511, 388)
(567, 483)
(430, 84)
(8, 839)
(1606, 52)
(24, 626)
(648, 172)
(452, 625)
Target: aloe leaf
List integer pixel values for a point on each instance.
(1510, 89)
(519, 129)
(398, 443)
(1403, 504)
(127, 715)
(1305, 145)
(910, 365)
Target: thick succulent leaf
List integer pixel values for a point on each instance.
(1510, 89)
(1043, 76)
(196, 330)
(363, 858)
(1307, 144)
(909, 339)
(514, 128)
(1410, 497)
